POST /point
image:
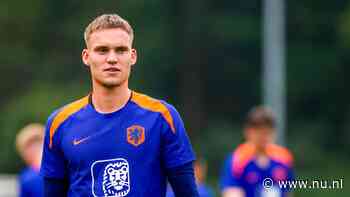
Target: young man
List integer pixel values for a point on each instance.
(258, 162)
(29, 143)
(115, 142)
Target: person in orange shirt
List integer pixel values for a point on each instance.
(254, 168)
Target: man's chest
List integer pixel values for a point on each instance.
(255, 175)
(87, 141)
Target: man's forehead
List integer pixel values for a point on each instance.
(111, 36)
(261, 129)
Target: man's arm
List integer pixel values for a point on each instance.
(55, 187)
(230, 185)
(182, 180)
(177, 155)
(53, 164)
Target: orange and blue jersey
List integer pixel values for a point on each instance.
(30, 183)
(123, 153)
(242, 170)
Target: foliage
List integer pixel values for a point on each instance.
(202, 56)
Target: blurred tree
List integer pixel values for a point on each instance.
(191, 51)
(202, 56)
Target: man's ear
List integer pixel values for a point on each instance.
(85, 56)
(133, 56)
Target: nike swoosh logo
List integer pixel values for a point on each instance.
(77, 142)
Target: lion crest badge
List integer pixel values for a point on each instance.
(110, 178)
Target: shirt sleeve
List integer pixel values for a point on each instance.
(182, 180)
(226, 177)
(53, 163)
(55, 188)
(290, 177)
(176, 147)
(22, 189)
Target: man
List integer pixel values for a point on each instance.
(200, 172)
(115, 142)
(29, 143)
(258, 162)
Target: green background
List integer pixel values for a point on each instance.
(204, 57)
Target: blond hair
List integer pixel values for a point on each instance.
(108, 21)
(31, 133)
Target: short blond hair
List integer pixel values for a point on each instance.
(33, 132)
(108, 21)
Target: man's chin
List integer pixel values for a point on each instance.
(111, 85)
(108, 84)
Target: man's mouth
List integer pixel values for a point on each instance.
(112, 69)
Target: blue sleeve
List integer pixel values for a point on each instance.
(290, 177)
(205, 190)
(169, 192)
(176, 148)
(22, 190)
(226, 177)
(182, 180)
(55, 187)
(53, 163)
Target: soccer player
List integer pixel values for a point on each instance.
(29, 143)
(115, 141)
(256, 166)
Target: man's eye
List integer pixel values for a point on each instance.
(121, 50)
(102, 50)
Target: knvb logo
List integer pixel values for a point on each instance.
(135, 135)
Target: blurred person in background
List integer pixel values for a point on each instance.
(257, 161)
(115, 141)
(200, 172)
(29, 144)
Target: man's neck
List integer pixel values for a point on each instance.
(107, 100)
(34, 162)
(262, 158)
(262, 161)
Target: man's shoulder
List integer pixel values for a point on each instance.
(61, 115)
(66, 110)
(243, 152)
(28, 175)
(241, 157)
(148, 103)
(280, 154)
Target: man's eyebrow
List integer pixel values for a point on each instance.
(122, 48)
(100, 47)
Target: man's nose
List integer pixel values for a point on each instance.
(112, 58)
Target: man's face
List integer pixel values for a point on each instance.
(33, 152)
(260, 136)
(110, 57)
